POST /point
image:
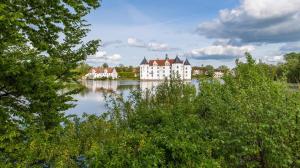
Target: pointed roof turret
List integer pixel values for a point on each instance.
(144, 61)
(186, 62)
(177, 60)
(167, 57)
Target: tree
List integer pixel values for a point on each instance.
(40, 46)
(250, 118)
(223, 68)
(209, 70)
(105, 65)
(292, 67)
(82, 69)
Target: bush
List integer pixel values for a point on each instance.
(126, 75)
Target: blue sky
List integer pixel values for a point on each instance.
(212, 32)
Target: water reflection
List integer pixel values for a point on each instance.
(92, 99)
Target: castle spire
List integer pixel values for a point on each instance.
(167, 57)
(186, 62)
(177, 59)
(144, 61)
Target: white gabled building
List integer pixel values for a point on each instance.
(161, 69)
(95, 73)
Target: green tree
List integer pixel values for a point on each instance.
(292, 67)
(209, 70)
(82, 69)
(105, 65)
(224, 68)
(40, 46)
(251, 119)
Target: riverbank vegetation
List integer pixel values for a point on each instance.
(128, 72)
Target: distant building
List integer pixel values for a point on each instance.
(161, 69)
(99, 72)
(199, 71)
(218, 74)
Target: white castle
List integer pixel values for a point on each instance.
(161, 69)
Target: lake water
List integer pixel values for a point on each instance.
(92, 99)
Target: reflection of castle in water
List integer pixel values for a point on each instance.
(115, 85)
(101, 86)
(151, 85)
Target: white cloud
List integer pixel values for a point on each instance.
(270, 9)
(151, 46)
(219, 52)
(158, 46)
(256, 21)
(290, 47)
(103, 57)
(135, 42)
(274, 59)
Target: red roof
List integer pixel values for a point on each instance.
(101, 70)
(161, 62)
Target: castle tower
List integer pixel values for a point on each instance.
(187, 69)
(144, 67)
(177, 68)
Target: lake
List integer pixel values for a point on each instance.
(92, 99)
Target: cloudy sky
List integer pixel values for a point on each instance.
(212, 32)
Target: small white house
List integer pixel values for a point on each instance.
(95, 73)
(218, 74)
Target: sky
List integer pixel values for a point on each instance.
(214, 32)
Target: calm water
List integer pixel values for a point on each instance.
(92, 99)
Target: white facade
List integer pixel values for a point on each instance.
(164, 69)
(101, 85)
(218, 74)
(95, 73)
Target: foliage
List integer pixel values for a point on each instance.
(273, 71)
(105, 65)
(292, 67)
(223, 68)
(40, 46)
(253, 120)
(205, 72)
(127, 72)
(127, 75)
(82, 69)
(209, 70)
